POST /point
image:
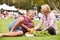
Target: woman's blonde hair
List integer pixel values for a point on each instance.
(47, 7)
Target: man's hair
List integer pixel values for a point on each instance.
(29, 11)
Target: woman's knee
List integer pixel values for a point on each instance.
(51, 30)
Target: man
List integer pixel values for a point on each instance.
(21, 25)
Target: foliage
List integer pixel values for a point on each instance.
(41, 33)
(29, 4)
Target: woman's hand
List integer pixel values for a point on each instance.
(43, 30)
(35, 29)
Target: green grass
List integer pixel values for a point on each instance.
(4, 28)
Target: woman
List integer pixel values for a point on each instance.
(21, 25)
(48, 19)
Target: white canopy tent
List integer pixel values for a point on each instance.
(6, 7)
(12, 8)
(0, 7)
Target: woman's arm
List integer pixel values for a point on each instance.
(40, 24)
(17, 24)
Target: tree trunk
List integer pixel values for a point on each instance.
(51, 2)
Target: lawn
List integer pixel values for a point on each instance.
(4, 28)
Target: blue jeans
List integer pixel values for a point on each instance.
(12, 24)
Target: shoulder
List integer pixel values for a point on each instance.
(21, 18)
(51, 14)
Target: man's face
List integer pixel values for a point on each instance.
(31, 14)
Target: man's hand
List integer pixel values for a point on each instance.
(31, 30)
(28, 29)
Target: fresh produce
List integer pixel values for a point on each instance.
(41, 33)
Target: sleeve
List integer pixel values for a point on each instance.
(52, 19)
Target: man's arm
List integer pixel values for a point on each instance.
(28, 29)
(40, 24)
(17, 24)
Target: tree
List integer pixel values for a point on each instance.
(28, 4)
(2, 1)
(54, 4)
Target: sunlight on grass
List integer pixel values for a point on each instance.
(4, 28)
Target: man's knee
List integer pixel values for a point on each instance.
(12, 24)
(9, 28)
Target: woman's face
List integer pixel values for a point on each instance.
(31, 14)
(44, 11)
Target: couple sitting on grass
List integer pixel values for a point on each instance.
(23, 24)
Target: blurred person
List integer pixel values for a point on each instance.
(6, 14)
(39, 15)
(21, 25)
(48, 19)
(1, 16)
